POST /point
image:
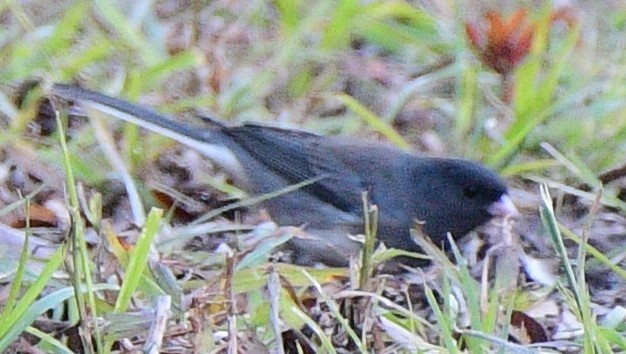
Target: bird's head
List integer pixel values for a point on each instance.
(460, 195)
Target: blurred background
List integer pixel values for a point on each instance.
(533, 89)
(429, 70)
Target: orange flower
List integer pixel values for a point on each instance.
(506, 42)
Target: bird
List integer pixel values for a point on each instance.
(444, 195)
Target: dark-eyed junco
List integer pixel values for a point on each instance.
(445, 195)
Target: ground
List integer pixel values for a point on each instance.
(535, 91)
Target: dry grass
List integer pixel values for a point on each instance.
(90, 263)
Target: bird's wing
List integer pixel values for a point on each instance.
(298, 156)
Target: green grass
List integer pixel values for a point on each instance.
(384, 70)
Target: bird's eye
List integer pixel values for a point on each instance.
(470, 191)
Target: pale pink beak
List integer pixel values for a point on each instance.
(504, 207)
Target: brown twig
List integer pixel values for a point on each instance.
(612, 175)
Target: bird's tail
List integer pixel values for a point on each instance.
(210, 139)
(142, 116)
